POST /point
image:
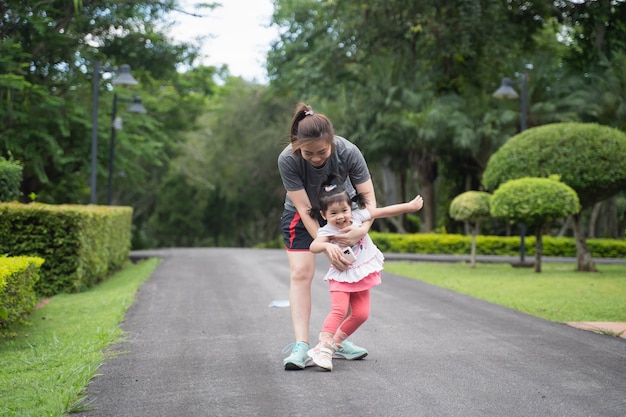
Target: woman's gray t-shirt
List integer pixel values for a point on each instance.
(346, 161)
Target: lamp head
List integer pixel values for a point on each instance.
(137, 107)
(125, 78)
(505, 90)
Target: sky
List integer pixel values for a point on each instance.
(240, 34)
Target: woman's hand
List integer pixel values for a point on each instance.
(350, 235)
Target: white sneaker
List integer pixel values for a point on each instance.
(322, 355)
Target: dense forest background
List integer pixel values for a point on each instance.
(410, 82)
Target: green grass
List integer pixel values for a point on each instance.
(46, 366)
(558, 293)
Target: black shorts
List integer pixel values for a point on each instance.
(295, 235)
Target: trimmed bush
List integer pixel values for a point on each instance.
(486, 245)
(589, 157)
(534, 201)
(81, 244)
(492, 245)
(18, 276)
(470, 206)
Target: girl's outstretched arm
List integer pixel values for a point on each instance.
(395, 209)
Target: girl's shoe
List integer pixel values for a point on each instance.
(322, 355)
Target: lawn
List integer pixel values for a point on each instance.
(558, 293)
(46, 366)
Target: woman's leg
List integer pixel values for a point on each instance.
(302, 268)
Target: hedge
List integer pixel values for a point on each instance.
(81, 244)
(18, 276)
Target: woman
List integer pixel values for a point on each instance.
(315, 153)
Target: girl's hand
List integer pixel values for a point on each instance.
(416, 204)
(335, 255)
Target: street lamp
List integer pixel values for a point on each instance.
(124, 78)
(507, 91)
(116, 124)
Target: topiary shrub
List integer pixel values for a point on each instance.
(588, 157)
(535, 202)
(471, 207)
(18, 276)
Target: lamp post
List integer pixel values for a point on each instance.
(116, 124)
(124, 78)
(507, 91)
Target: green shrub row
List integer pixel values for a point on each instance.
(18, 276)
(485, 245)
(493, 245)
(81, 244)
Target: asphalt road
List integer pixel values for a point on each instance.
(203, 341)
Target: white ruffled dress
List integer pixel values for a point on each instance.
(364, 273)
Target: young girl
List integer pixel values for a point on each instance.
(349, 288)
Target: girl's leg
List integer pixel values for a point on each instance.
(339, 303)
(360, 305)
(302, 267)
(322, 353)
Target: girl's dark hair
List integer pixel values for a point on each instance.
(306, 125)
(332, 191)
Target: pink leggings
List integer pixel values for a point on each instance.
(359, 302)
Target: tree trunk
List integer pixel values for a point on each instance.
(390, 194)
(538, 249)
(390, 191)
(612, 220)
(566, 225)
(585, 262)
(467, 226)
(426, 166)
(429, 209)
(593, 219)
(473, 251)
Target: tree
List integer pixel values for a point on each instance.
(10, 179)
(535, 202)
(588, 157)
(592, 29)
(47, 51)
(471, 207)
(230, 160)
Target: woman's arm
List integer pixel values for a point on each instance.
(301, 200)
(334, 252)
(351, 235)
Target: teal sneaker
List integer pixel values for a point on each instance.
(350, 351)
(298, 359)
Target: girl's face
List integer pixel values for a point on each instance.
(316, 152)
(338, 214)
